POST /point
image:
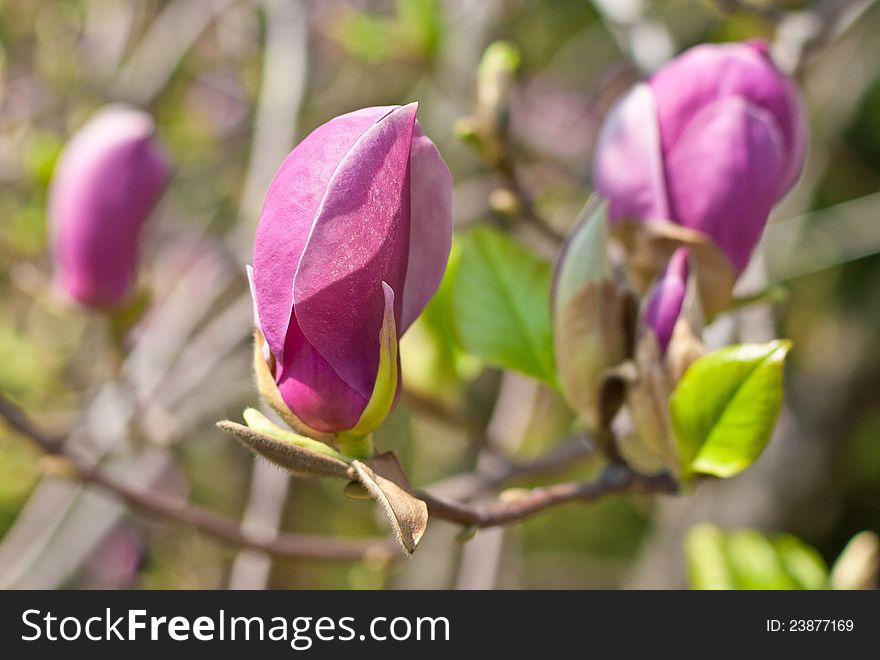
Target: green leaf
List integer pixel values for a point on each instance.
(725, 406)
(432, 361)
(748, 559)
(420, 23)
(501, 304)
(414, 30)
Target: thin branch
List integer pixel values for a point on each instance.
(303, 546)
(505, 167)
(559, 459)
(498, 471)
(615, 478)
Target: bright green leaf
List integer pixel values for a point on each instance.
(803, 563)
(748, 559)
(706, 562)
(501, 304)
(725, 406)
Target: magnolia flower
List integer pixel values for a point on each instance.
(352, 243)
(108, 179)
(665, 300)
(711, 142)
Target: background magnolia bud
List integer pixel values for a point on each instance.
(710, 142)
(592, 316)
(358, 218)
(666, 298)
(496, 77)
(108, 179)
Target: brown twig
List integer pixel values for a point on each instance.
(615, 478)
(557, 460)
(303, 546)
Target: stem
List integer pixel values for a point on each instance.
(304, 546)
(505, 167)
(355, 446)
(614, 479)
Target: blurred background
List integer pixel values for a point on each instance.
(233, 86)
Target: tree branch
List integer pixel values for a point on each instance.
(615, 478)
(303, 546)
(527, 211)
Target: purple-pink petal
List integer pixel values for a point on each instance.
(359, 239)
(312, 388)
(107, 181)
(289, 211)
(706, 74)
(430, 228)
(360, 210)
(723, 175)
(666, 298)
(712, 142)
(628, 164)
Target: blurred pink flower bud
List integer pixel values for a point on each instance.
(711, 142)
(666, 298)
(108, 179)
(358, 217)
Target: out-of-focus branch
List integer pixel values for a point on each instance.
(282, 90)
(614, 479)
(495, 471)
(304, 546)
(526, 206)
(163, 47)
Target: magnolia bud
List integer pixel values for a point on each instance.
(592, 317)
(711, 142)
(108, 179)
(352, 242)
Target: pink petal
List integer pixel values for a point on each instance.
(667, 297)
(709, 73)
(430, 226)
(312, 388)
(109, 177)
(628, 166)
(289, 212)
(360, 238)
(723, 175)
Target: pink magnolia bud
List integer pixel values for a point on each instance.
(364, 201)
(666, 298)
(711, 142)
(108, 179)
